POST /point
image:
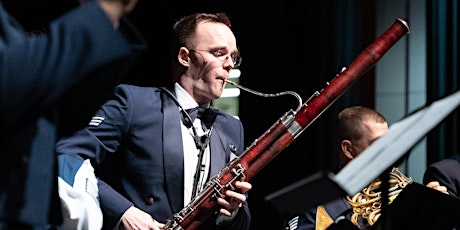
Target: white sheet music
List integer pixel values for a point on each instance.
(389, 148)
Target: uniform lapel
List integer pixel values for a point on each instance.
(218, 153)
(172, 154)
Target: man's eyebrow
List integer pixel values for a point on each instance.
(225, 49)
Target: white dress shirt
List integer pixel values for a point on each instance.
(190, 150)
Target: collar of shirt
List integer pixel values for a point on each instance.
(184, 98)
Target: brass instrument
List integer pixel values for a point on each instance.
(368, 203)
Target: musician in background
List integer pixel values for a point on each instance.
(445, 173)
(444, 176)
(357, 128)
(158, 156)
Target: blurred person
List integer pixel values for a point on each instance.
(445, 173)
(50, 85)
(150, 155)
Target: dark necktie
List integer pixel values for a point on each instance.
(206, 115)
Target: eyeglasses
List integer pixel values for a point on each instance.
(223, 56)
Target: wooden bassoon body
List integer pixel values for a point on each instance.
(282, 133)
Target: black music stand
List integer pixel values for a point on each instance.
(305, 194)
(419, 207)
(416, 207)
(370, 164)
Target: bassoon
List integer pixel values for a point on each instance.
(282, 133)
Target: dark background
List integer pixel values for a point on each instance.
(286, 45)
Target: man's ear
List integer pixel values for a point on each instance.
(183, 56)
(346, 147)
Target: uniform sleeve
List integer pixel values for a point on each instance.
(73, 65)
(102, 137)
(302, 222)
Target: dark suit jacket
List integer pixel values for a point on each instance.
(140, 134)
(50, 85)
(447, 173)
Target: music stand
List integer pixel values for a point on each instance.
(305, 194)
(419, 207)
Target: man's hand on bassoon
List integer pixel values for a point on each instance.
(234, 199)
(135, 218)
